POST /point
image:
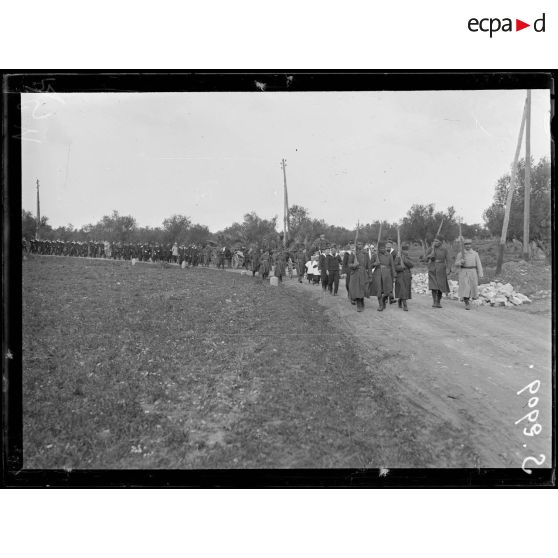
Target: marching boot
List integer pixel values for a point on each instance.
(434, 299)
(467, 305)
(399, 303)
(387, 301)
(439, 299)
(360, 304)
(405, 306)
(380, 303)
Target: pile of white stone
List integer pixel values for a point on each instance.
(498, 294)
(494, 293)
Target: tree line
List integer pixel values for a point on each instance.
(540, 216)
(419, 225)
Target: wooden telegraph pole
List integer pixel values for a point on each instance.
(527, 196)
(286, 205)
(38, 213)
(510, 194)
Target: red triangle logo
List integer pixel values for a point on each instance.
(519, 25)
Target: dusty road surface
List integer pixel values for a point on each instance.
(455, 376)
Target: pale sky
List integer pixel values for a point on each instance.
(216, 156)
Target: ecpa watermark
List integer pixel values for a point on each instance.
(494, 25)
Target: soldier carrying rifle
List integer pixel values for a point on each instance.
(439, 267)
(470, 270)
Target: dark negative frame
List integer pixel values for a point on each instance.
(13, 84)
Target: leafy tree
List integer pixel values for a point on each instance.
(369, 232)
(176, 229)
(421, 224)
(418, 225)
(540, 208)
(298, 217)
(256, 228)
(253, 231)
(339, 235)
(475, 231)
(149, 235)
(198, 234)
(114, 227)
(234, 234)
(66, 233)
(29, 226)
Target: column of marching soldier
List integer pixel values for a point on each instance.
(382, 272)
(193, 254)
(385, 272)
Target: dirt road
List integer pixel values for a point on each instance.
(455, 375)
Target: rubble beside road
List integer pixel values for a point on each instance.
(494, 293)
(531, 278)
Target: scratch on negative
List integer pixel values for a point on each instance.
(260, 85)
(480, 126)
(384, 472)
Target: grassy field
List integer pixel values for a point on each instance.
(151, 366)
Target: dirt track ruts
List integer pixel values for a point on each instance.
(457, 374)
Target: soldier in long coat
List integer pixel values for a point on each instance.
(255, 261)
(321, 243)
(280, 265)
(470, 270)
(439, 267)
(206, 255)
(403, 279)
(322, 263)
(381, 284)
(221, 258)
(228, 256)
(359, 267)
(332, 262)
(265, 265)
(300, 260)
(345, 268)
(390, 250)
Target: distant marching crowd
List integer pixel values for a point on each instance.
(382, 271)
(148, 252)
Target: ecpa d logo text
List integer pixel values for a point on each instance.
(493, 25)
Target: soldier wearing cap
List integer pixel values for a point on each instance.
(321, 243)
(403, 279)
(381, 283)
(470, 270)
(345, 266)
(391, 250)
(332, 264)
(301, 258)
(359, 267)
(322, 263)
(439, 267)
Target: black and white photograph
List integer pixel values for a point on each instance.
(278, 277)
